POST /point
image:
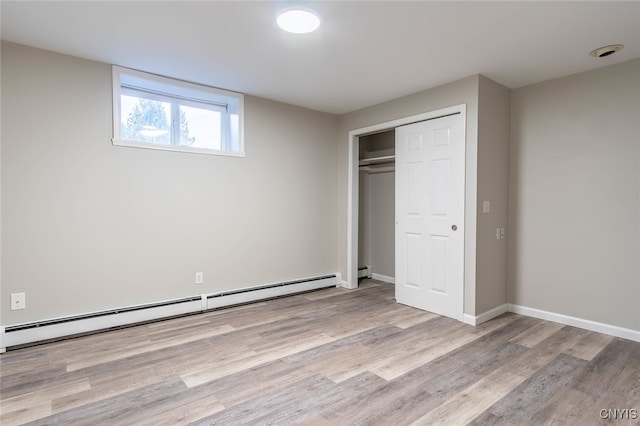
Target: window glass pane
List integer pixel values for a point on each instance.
(200, 128)
(234, 132)
(145, 120)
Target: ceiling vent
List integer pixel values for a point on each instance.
(606, 50)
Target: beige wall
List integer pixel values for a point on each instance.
(383, 224)
(364, 220)
(574, 233)
(87, 225)
(376, 223)
(493, 186)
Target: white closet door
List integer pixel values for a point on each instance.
(430, 165)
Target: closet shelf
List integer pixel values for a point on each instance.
(377, 160)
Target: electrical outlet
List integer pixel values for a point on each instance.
(199, 277)
(18, 301)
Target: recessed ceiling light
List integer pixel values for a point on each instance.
(606, 50)
(298, 21)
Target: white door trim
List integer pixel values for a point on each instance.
(353, 179)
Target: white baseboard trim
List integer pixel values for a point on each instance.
(612, 330)
(598, 327)
(386, 279)
(340, 281)
(485, 316)
(27, 333)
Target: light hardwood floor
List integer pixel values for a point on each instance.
(331, 357)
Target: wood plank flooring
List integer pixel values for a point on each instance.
(331, 357)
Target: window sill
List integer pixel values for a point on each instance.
(185, 149)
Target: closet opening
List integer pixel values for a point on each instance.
(354, 225)
(376, 206)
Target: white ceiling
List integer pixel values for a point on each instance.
(364, 52)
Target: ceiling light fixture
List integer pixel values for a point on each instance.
(606, 50)
(298, 21)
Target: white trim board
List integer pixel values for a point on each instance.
(485, 316)
(38, 331)
(385, 278)
(598, 327)
(612, 330)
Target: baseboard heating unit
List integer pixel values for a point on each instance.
(41, 331)
(365, 271)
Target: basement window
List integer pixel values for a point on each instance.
(150, 111)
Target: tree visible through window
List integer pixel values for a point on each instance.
(150, 121)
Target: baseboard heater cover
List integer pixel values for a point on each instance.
(365, 271)
(252, 294)
(30, 333)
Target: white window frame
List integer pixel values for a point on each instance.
(151, 86)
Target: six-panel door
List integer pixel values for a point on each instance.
(430, 160)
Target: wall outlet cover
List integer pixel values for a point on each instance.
(18, 301)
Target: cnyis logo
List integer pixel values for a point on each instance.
(619, 414)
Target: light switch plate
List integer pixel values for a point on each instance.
(486, 207)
